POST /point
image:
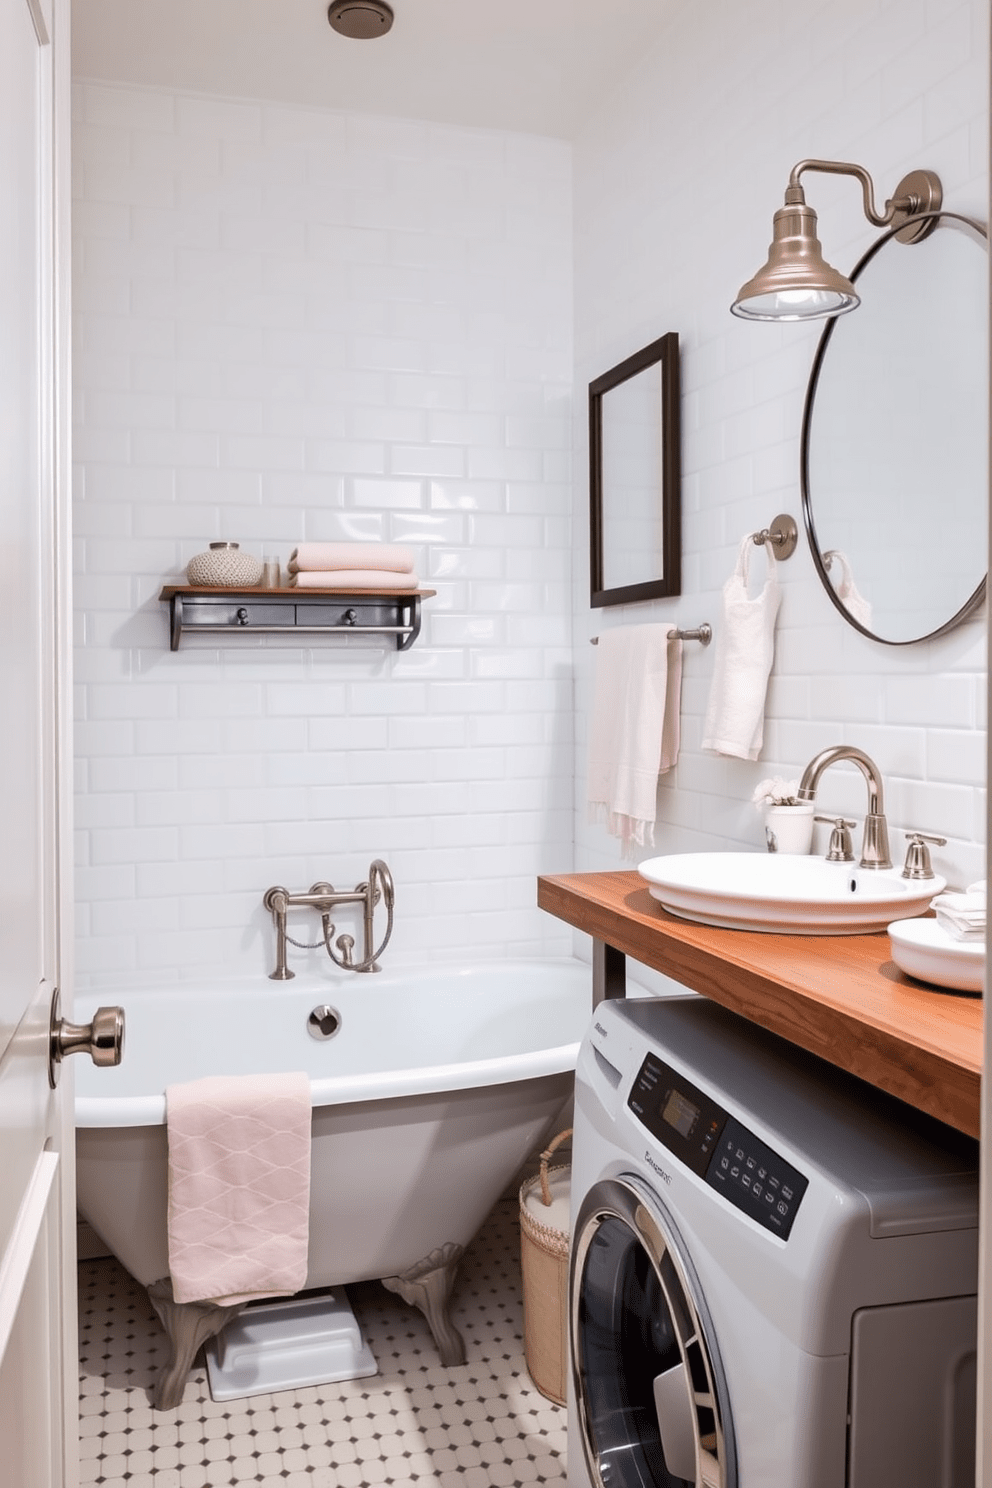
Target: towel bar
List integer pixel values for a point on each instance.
(702, 633)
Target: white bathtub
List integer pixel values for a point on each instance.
(434, 1090)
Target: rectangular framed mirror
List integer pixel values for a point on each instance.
(635, 478)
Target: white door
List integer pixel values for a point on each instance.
(37, 1298)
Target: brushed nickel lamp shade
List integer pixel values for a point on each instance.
(797, 283)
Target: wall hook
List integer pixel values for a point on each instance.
(783, 534)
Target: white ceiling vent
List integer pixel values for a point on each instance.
(360, 19)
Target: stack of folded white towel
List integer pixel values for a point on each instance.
(352, 566)
(962, 915)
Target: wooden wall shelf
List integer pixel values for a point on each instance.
(240, 611)
(841, 997)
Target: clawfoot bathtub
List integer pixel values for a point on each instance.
(430, 1091)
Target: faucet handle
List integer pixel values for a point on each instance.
(918, 854)
(839, 849)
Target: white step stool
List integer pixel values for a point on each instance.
(284, 1345)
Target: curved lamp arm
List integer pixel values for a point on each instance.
(920, 191)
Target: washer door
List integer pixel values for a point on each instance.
(650, 1392)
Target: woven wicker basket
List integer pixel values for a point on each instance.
(544, 1264)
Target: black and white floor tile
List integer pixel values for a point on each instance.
(482, 1424)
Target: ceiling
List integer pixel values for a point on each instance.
(538, 66)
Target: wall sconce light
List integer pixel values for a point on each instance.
(796, 283)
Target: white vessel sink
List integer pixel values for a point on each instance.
(783, 893)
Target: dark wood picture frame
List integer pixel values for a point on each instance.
(666, 352)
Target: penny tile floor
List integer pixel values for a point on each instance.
(482, 1424)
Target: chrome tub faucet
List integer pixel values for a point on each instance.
(324, 897)
(875, 843)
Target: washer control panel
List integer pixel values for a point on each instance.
(754, 1178)
(684, 1119)
(717, 1147)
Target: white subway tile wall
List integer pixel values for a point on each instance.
(290, 326)
(677, 175)
(301, 325)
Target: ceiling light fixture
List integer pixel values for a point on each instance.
(360, 19)
(796, 283)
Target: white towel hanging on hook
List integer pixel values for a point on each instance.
(744, 653)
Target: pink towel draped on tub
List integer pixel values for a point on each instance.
(239, 1186)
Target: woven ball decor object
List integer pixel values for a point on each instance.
(223, 566)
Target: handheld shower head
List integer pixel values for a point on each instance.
(380, 873)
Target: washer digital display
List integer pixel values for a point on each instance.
(717, 1147)
(681, 1116)
(680, 1112)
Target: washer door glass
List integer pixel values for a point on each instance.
(647, 1381)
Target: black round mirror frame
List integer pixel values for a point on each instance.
(970, 605)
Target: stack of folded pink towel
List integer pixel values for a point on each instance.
(352, 566)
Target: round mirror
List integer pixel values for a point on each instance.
(895, 438)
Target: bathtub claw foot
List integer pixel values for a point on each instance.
(427, 1286)
(188, 1325)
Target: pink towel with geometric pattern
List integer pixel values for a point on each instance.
(239, 1186)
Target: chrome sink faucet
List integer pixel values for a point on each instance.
(875, 843)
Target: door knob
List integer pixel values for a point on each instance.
(102, 1040)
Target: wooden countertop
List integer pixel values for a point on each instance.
(841, 997)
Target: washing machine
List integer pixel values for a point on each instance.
(774, 1267)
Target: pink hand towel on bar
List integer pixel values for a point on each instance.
(354, 578)
(321, 556)
(239, 1187)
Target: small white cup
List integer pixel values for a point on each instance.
(271, 578)
(792, 827)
